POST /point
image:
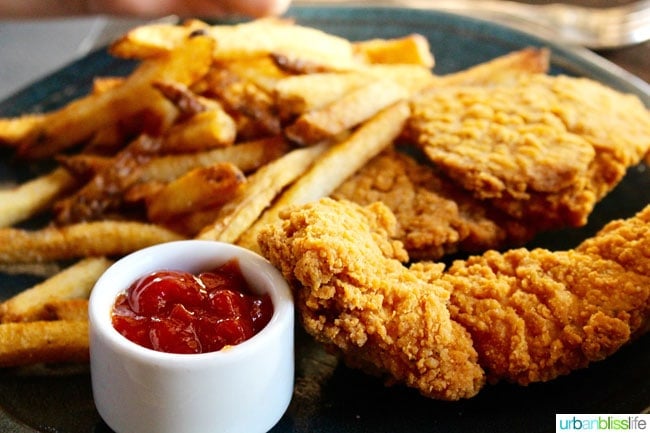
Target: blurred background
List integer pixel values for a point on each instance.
(31, 49)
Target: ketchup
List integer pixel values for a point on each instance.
(178, 312)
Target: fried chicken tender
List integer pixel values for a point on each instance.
(529, 315)
(542, 148)
(435, 217)
(535, 315)
(354, 295)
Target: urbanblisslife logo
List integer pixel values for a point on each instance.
(602, 423)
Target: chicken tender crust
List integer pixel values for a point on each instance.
(544, 148)
(354, 294)
(435, 217)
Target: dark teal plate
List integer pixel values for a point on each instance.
(328, 396)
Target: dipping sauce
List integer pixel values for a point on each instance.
(178, 312)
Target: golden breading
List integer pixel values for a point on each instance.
(544, 148)
(535, 315)
(435, 217)
(354, 294)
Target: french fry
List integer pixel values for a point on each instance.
(43, 341)
(262, 71)
(188, 102)
(108, 140)
(352, 109)
(245, 97)
(245, 40)
(199, 189)
(206, 130)
(500, 69)
(84, 165)
(261, 188)
(75, 281)
(104, 84)
(15, 130)
(154, 40)
(298, 65)
(273, 35)
(412, 77)
(104, 192)
(412, 49)
(78, 120)
(66, 309)
(301, 93)
(247, 156)
(99, 238)
(335, 165)
(28, 199)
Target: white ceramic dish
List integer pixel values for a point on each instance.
(244, 388)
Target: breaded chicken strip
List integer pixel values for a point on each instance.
(543, 148)
(435, 217)
(535, 315)
(531, 315)
(354, 295)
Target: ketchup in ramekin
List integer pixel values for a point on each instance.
(179, 312)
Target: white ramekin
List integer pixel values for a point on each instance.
(243, 388)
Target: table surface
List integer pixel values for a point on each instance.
(27, 51)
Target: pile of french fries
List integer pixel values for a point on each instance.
(218, 128)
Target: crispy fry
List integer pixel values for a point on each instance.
(273, 35)
(261, 188)
(66, 309)
(14, 130)
(301, 93)
(412, 77)
(352, 109)
(201, 188)
(206, 130)
(104, 192)
(43, 341)
(84, 166)
(104, 84)
(500, 69)
(99, 238)
(154, 40)
(108, 140)
(78, 120)
(297, 65)
(243, 96)
(336, 165)
(250, 39)
(263, 71)
(75, 281)
(247, 156)
(26, 200)
(412, 49)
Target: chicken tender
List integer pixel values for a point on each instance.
(435, 217)
(529, 315)
(354, 294)
(535, 315)
(544, 148)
